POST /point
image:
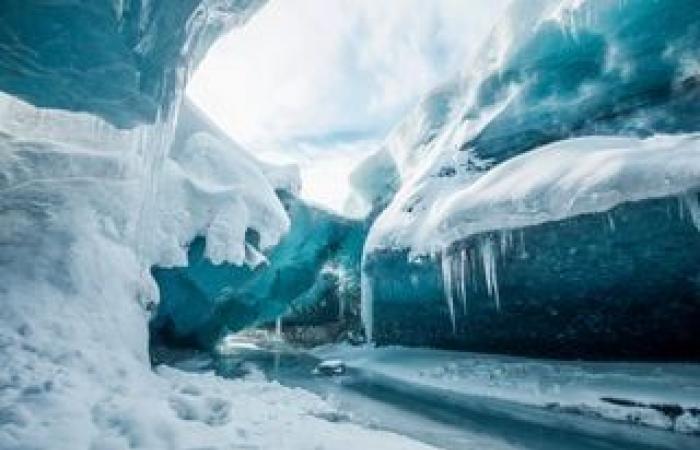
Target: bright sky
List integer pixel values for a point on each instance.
(314, 79)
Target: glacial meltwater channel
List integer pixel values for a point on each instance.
(439, 418)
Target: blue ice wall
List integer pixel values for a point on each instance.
(624, 283)
(202, 301)
(621, 283)
(121, 60)
(610, 67)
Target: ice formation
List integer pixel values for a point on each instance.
(535, 84)
(201, 300)
(562, 180)
(122, 60)
(574, 109)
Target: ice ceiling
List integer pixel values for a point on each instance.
(320, 83)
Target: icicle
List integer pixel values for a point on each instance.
(488, 258)
(506, 241)
(367, 306)
(521, 245)
(611, 222)
(472, 271)
(446, 264)
(341, 307)
(278, 328)
(463, 279)
(692, 202)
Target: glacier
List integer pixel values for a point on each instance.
(518, 199)
(545, 203)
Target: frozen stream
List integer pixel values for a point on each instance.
(437, 417)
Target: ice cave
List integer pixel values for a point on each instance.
(338, 224)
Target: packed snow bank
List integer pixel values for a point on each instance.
(662, 396)
(555, 182)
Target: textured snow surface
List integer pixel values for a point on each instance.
(598, 389)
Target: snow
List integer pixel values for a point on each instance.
(561, 180)
(566, 179)
(224, 194)
(78, 240)
(588, 388)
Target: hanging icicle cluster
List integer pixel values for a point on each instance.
(463, 267)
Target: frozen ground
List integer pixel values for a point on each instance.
(444, 418)
(665, 396)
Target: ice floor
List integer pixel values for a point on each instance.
(665, 396)
(459, 400)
